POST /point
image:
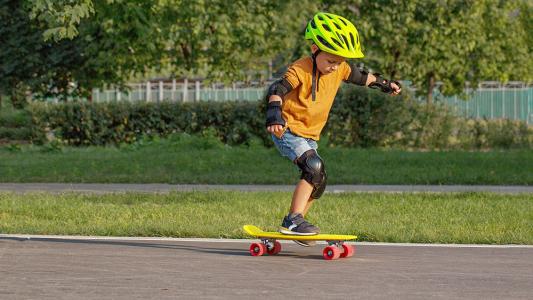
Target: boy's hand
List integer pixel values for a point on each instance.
(275, 129)
(396, 88)
(274, 120)
(375, 81)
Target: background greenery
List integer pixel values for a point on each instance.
(71, 46)
(183, 158)
(359, 118)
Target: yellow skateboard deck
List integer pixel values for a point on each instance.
(269, 244)
(257, 232)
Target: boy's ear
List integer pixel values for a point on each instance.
(314, 48)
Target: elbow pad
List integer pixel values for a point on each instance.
(280, 87)
(357, 76)
(383, 84)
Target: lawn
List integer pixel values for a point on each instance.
(188, 159)
(380, 217)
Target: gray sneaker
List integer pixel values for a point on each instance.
(296, 224)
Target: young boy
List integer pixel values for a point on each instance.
(299, 104)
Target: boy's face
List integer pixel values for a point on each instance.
(326, 62)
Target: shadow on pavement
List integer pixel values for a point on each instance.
(241, 251)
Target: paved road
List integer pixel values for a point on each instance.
(55, 268)
(106, 188)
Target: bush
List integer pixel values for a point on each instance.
(15, 124)
(360, 117)
(82, 123)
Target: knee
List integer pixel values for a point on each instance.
(313, 171)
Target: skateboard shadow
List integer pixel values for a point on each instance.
(206, 247)
(141, 244)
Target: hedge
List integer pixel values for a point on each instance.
(360, 117)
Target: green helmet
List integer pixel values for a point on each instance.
(334, 34)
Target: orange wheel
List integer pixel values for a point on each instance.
(257, 249)
(348, 251)
(276, 249)
(331, 253)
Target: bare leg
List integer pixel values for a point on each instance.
(301, 197)
(308, 206)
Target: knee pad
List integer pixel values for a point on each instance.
(313, 171)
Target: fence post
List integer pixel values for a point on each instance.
(515, 111)
(148, 92)
(185, 89)
(503, 103)
(197, 85)
(492, 103)
(160, 98)
(118, 95)
(173, 91)
(529, 104)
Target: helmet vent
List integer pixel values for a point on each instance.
(320, 18)
(344, 22)
(351, 37)
(324, 42)
(344, 38)
(336, 42)
(313, 24)
(337, 25)
(326, 27)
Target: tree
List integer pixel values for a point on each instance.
(452, 41)
(110, 46)
(219, 39)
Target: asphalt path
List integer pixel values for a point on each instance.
(90, 268)
(163, 188)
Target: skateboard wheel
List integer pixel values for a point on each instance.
(257, 249)
(276, 249)
(331, 253)
(348, 251)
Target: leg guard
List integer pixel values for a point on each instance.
(313, 171)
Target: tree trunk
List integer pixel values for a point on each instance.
(431, 86)
(394, 64)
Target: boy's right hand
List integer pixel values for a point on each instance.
(275, 129)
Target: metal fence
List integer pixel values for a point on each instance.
(513, 100)
(182, 92)
(510, 101)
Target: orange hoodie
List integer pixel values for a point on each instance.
(304, 116)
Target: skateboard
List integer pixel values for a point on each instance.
(336, 247)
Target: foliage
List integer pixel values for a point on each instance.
(365, 118)
(68, 47)
(359, 118)
(451, 41)
(83, 123)
(15, 125)
(108, 49)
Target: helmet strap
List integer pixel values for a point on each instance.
(315, 80)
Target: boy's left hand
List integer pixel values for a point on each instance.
(396, 88)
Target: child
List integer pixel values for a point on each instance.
(299, 104)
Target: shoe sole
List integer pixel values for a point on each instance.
(305, 243)
(287, 231)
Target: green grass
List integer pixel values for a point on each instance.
(186, 159)
(402, 217)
